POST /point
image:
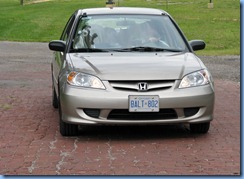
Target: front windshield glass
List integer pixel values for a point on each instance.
(111, 32)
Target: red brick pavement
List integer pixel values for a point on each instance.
(31, 143)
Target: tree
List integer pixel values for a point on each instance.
(21, 2)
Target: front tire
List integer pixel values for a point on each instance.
(54, 99)
(54, 96)
(67, 129)
(200, 128)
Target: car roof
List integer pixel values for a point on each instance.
(122, 10)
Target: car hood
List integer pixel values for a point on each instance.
(135, 66)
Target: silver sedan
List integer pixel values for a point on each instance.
(129, 66)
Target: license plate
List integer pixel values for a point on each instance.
(143, 103)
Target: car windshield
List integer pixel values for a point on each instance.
(102, 33)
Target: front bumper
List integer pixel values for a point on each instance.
(190, 105)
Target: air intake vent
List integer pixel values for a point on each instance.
(124, 114)
(190, 111)
(92, 112)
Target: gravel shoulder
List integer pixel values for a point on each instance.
(223, 67)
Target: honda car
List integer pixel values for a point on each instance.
(129, 66)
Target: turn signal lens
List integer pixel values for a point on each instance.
(71, 76)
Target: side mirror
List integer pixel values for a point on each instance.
(57, 45)
(197, 44)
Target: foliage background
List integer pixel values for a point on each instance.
(43, 21)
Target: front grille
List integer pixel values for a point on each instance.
(124, 114)
(133, 85)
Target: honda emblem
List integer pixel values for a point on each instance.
(143, 86)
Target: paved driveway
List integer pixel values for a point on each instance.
(31, 143)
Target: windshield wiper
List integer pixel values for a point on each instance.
(89, 50)
(132, 49)
(147, 49)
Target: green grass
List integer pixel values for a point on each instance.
(41, 22)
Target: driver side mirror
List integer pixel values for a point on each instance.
(197, 44)
(57, 45)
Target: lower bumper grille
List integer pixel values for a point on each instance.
(124, 114)
(120, 114)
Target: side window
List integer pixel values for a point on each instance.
(67, 28)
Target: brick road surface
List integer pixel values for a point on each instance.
(32, 145)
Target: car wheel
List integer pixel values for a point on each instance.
(55, 99)
(67, 129)
(54, 96)
(200, 127)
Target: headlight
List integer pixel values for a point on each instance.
(195, 79)
(84, 80)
